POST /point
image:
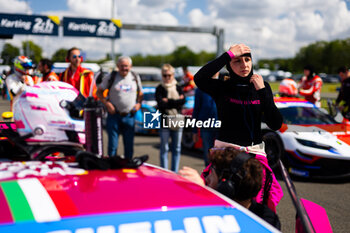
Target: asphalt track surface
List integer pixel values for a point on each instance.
(333, 195)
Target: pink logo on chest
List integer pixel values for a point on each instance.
(245, 102)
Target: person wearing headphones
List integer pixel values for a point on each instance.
(243, 100)
(80, 78)
(237, 175)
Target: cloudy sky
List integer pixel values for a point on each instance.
(272, 28)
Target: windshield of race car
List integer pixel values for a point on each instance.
(305, 116)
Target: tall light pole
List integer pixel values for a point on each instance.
(112, 40)
(27, 44)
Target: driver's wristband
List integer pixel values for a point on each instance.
(230, 54)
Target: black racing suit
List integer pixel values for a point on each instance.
(241, 108)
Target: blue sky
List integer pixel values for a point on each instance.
(271, 28)
(39, 6)
(192, 4)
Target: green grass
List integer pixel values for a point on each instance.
(326, 87)
(329, 91)
(330, 87)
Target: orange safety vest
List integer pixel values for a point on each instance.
(81, 80)
(188, 79)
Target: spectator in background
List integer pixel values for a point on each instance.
(237, 175)
(187, 78)
(80, 78)
(310, 86)
(343, 99)
(4, 87)
(170, 99)
(204, 109)
(122, 102)
(45, 68)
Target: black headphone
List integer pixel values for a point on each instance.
(231, 177)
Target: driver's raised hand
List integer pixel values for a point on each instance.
(239, 49)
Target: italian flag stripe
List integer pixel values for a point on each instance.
(60, 197)
(5, 212)
(19, 206)
(39, 200)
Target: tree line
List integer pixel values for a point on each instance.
(181, 56)
(324, 56)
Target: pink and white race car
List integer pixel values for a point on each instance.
(59, 197)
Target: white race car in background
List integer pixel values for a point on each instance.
(311, 143)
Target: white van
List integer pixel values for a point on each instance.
(59, 67)
(148, 73)
(5, 68)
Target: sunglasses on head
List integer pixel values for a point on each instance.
(75, 56)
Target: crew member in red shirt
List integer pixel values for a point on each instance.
(310, 86)
(76, 75)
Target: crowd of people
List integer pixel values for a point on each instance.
(234, 154)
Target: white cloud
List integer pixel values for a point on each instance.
(163, 18)
(197, 18)
(181, 7)
(161, 4)
(14, 6)
(285, 25)
(340, 22)
(90, 8)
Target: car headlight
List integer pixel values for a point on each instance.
(314, 144)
